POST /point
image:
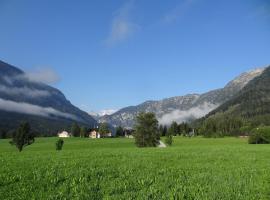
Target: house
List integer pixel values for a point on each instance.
(64, 134)
(128, 132)
(107, 134)
(191, 133)
(94, 134)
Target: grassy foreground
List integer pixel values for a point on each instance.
(195, 168)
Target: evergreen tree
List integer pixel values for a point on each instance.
(146, 130)
(103, 129)
(119, 131)
(173, 130)
(3, 134)
(83, 132)
(160, 129)
(165, 130)
(75, 130)
(23, 136)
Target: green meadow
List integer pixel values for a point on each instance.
(193, 168)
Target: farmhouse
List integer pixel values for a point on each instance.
(95, 134)
(64, 134)
(128, 132)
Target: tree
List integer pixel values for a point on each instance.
(75, 130)
(260, 135)
(103, 129)
(3, 134)
(59, 144)
(119, 131)
(160, 129)
(173, 130)
(165, 130)
(169, 139)
(146, 130)
(83, 132)
(23, 136)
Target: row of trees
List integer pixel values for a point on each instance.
(77, 131)
(219, 125)
(175, 129)
(148, 131)
(24, 136)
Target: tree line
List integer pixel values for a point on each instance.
(148, 131)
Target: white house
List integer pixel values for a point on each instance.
(94, 134)
(64, 134)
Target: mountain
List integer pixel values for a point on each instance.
(252, 103)
(24, 99)
(97, 115)
(183, 108)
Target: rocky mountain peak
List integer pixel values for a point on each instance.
(183, 108)
(245, 77)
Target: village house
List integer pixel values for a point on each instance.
(64, 134)
(95, 134)
(108, 134)
(128, 133)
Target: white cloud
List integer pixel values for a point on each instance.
(107, 112)
(44, 75)
(24, 91)
(176, 12)
(262, 11)
(182, 116)
(122, 27)
(26, 108)
(102, 112)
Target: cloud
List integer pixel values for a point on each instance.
(24, 91)
(182, 116)
(121, 26)
(26, 108)
(263, 11)
(44, 75)
(107, 112)
(99, 113)
(176, 12)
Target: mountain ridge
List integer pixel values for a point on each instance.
(183, 108)
(21, 97)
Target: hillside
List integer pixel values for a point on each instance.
(45, 107)
(252, 103)
(183, 108)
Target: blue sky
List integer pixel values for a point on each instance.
(108, 54)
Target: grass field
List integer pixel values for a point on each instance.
(195, 168)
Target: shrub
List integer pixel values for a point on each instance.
(59, 144)
(260, 135)
(169, 140)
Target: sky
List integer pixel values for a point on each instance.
(109, 54)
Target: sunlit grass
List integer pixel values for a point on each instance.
(193, 168)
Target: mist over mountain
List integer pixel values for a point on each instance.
(183, 108)
(252, 103)
(24, 98)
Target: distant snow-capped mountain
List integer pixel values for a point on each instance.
(102, 113)
(182, 108)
